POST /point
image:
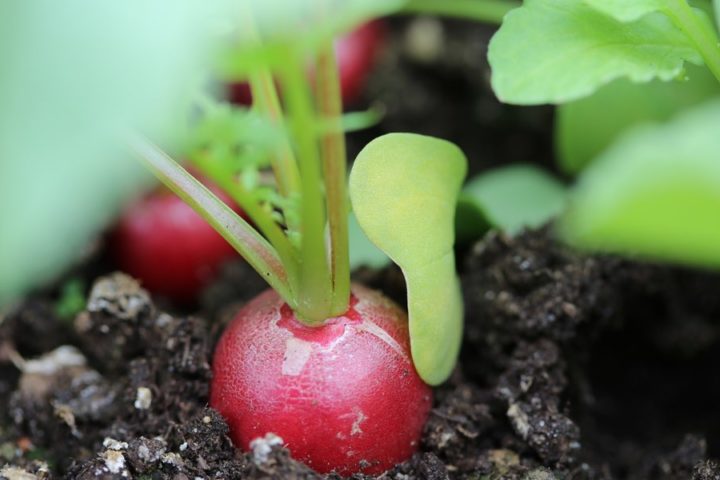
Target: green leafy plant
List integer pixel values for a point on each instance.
(644, 189)
(581, 45)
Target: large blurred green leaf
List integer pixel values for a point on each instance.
(72, 76)
(655, 193)
(561, 50)
(585, 127)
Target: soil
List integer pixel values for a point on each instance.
(573, 366)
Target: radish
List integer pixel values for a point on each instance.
(330, 392)
(172, 250)
(356, 54)
(340, 373)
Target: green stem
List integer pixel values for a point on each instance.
(491, 11)
(700, 33)
(265, 95)
(329, 102)
(265, 223)
(284, 166)
(314, 298)
(248, 242)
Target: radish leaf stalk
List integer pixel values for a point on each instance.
(334, 160)
(251, 245)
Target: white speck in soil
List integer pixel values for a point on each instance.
(262, 447)
(143, 399)
(13, 473)
(172, 459)
(112, 444)
(51, 363)
(114, 461)
(519, 420)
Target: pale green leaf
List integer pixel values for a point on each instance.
(511, 198)
(404, 188)
(629, 10)
(71, 77)
(655, 193)
(584, 128)
(562, 50)
(716, 5)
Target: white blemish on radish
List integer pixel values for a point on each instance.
(355, 429)
(373, 329)
(297, 353)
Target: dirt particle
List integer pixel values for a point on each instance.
(115, 462)
(143, 399)
(262, 447)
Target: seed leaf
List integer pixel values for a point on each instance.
(510, 199)
(576, 49)
(655, 193)
(404, 188)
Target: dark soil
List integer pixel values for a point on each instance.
(573, 366)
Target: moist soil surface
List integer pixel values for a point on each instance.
(573, 366)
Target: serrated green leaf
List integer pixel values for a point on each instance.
(576, 49)
(510, 199)
(628, 11)
(404, 188)
(655, 193)
(584, 128)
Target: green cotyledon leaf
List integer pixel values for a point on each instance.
(577, 49)
(654, 193)
(404, 189)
